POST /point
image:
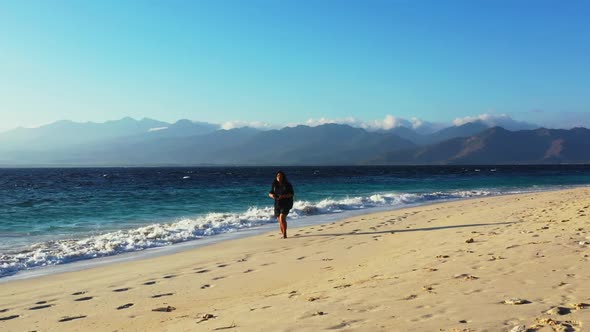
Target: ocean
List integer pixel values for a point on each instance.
(55, 216)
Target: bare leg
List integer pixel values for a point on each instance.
(283, 225)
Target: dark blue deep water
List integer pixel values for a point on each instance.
(58, 215)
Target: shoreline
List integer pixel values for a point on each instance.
(443, 266)
(152, 252)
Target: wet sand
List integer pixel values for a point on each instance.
(509, 263)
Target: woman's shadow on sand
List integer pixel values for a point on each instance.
(393, 231)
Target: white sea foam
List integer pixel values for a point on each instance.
(158, 235)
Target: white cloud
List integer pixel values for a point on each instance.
(322, 121)
(387, 123)
(486, 118)
(502, 120)
(239, 124)
(157, 129)
(417, 123)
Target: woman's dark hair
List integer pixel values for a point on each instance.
(284, 177)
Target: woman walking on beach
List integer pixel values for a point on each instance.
(282, 192)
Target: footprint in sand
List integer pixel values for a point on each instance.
(262, 308)
(169, 276)
(465, 276)
(248, 271)
(3, 310)
(84, 298)
(165, 309)
(41, 307)
(67, 319)
(300, 258)
(428, 288)
(149, 283)
(206, 317)
(202, 271)
(222, 265)
(118, 290)
(218, 278)
(559, 311)
(343, 286)
(125, 306)
(9, 317)
(79, 293)
(161, 295)
(342, 325)
(205, 286)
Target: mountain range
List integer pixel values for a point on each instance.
(147, 142)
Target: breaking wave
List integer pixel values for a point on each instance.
(187, 229)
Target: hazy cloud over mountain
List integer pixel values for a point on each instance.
(157, 129)
(228, 125)
(492, 120)
(391, 140)
(387, 123)
(566, 120)
(351, 121)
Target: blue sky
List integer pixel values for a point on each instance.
(284, 62)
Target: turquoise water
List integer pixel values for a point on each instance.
(55, 216)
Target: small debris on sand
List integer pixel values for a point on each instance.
(515, 301)
(165, 309)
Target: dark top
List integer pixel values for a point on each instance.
(285, 188)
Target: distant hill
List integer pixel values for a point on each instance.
(62, 134)
(500, 146)
(147, 142)
(331, 144)
(465, 130)
(182, 128)
(444, 134)
(69, 133)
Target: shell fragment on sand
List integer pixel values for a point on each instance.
(515, 301)
(519, 328)
(579, 306)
